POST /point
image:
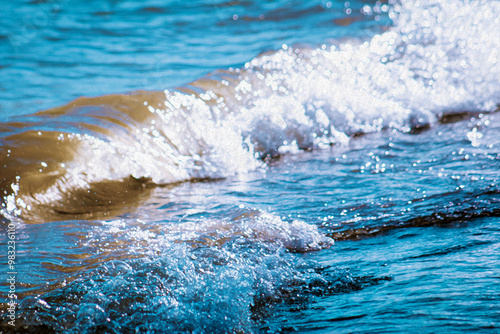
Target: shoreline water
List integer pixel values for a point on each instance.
(343, 187)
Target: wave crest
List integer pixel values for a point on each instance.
(430, 64)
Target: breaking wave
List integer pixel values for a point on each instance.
(431, 64)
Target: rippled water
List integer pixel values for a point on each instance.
(331, 168)
(56, 51)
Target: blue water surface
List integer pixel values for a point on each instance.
(332, 168)
(52, 52)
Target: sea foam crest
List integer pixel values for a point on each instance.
(439, 58)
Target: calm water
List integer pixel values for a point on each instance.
(251, 167)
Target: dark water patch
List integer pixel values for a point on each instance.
(156, 10)
(452, 250)
(443, 218)
(294, 12)
(103, 13)
(348, 318)
(448, 118)
(455, 117)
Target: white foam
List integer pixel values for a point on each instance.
(440, 57)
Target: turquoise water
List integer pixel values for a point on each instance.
(66, 49)
(251, 167)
